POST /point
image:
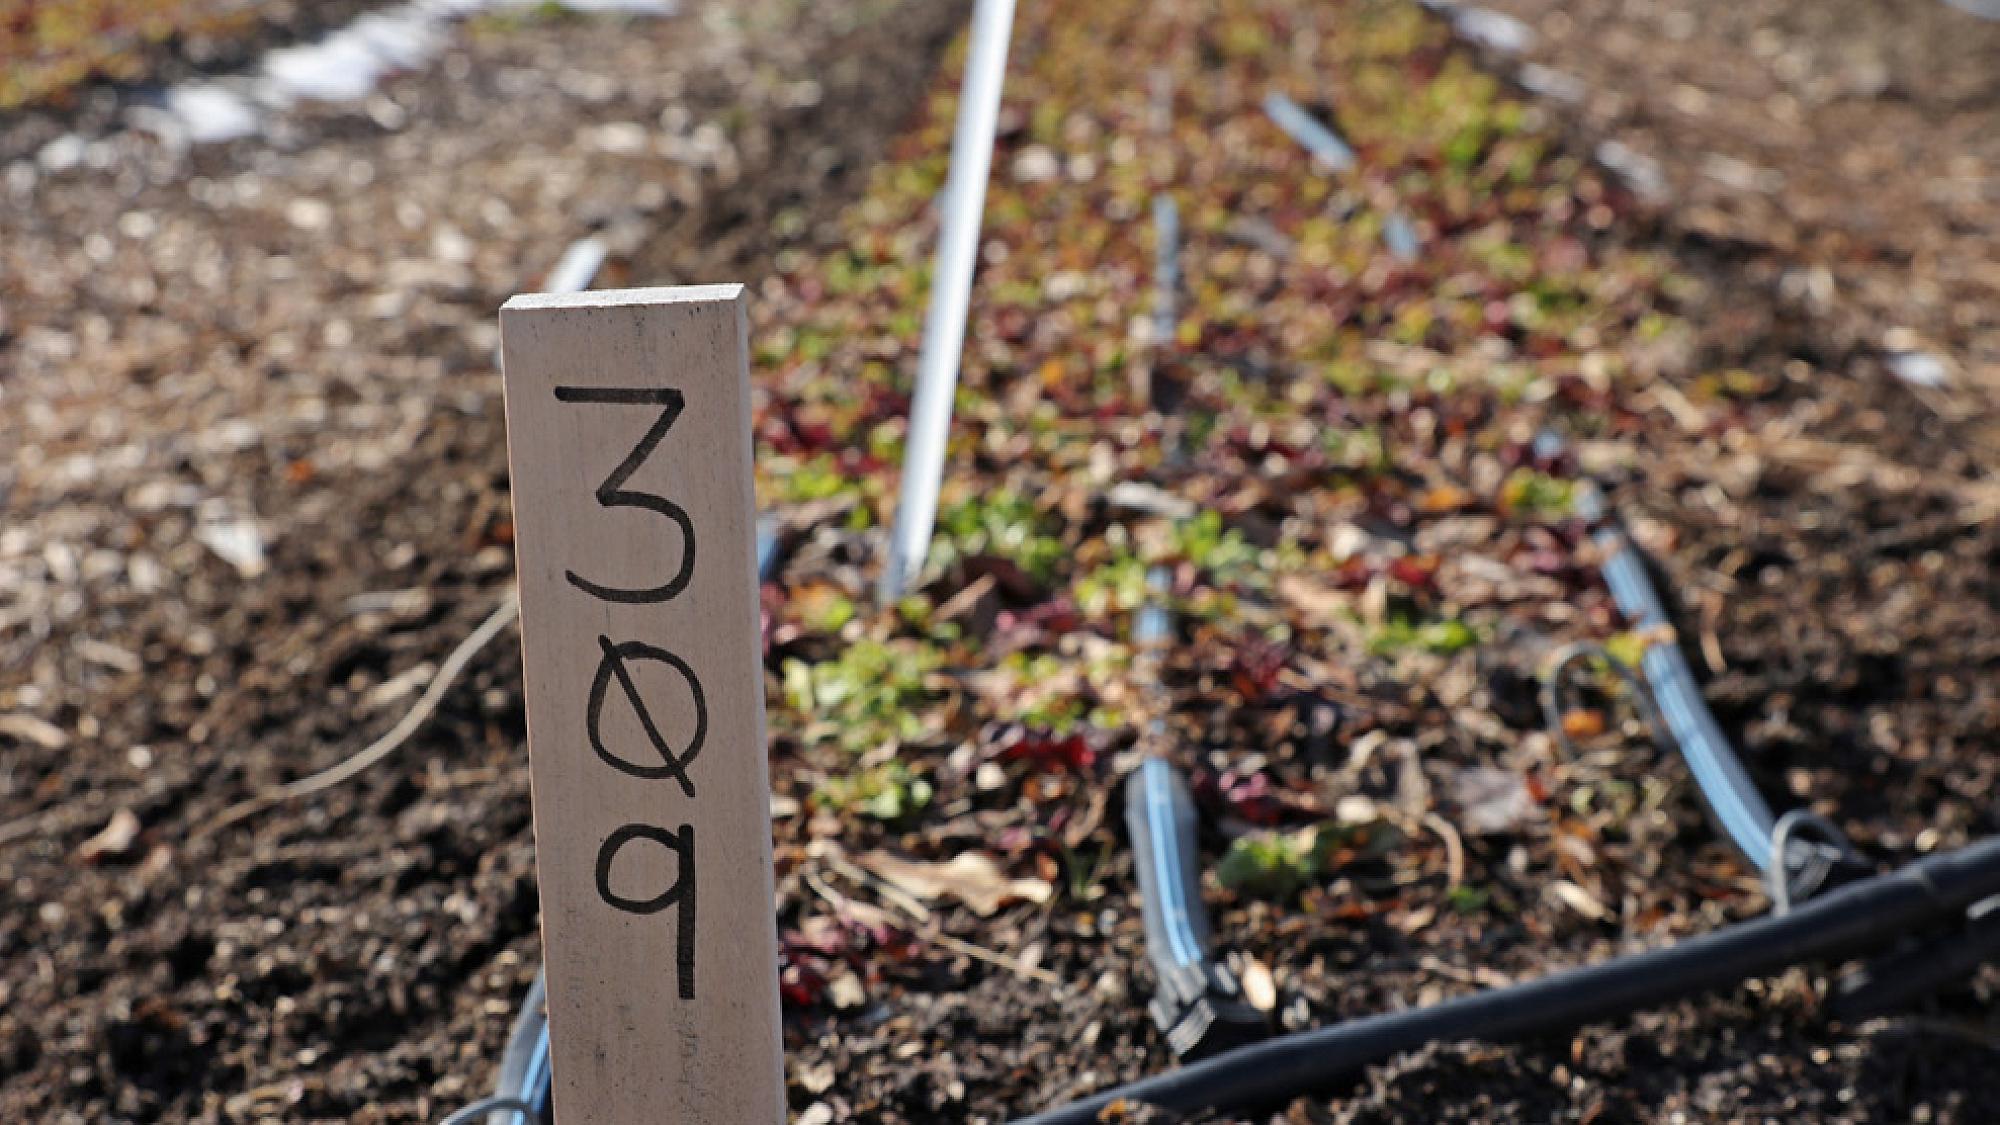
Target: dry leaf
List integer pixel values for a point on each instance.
(1321, 603)
(114, 841)
(972, 878)
(846, 991)
(1579, 900)
(1583, 723)
(1491, 801)
(975, 607)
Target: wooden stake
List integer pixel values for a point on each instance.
(628, 428)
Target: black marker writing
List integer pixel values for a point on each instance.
(681, 893)
(613, 493)
(612, 665)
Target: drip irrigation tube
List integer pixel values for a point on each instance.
(1738, 807)
(1162, 822)
(1166, 270)
(524, 1067)
(1843, 922)
(1197, 1004)
(1799, 853)
(1325, 145)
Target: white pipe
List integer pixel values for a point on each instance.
(951, 290)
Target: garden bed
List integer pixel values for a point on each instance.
(1375, 559)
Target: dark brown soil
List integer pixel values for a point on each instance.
(1848, 150)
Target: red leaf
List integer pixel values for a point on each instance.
(1071, 752)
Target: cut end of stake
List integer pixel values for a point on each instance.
(625, 298)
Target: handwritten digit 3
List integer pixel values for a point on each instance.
(612, 666)
(613, 493)
(681, 893)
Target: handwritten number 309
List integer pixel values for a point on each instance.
(613, 667)
(613, 493)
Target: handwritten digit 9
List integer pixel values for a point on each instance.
(680, 894)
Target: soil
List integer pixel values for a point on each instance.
(1848, 151)
(291, 344)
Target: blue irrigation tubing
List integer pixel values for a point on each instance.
(1325, 145)
(1401, 238)
(1166, 270)
(1739, 808)
(525, 1068)
(1799, 853)
(1197, 1003)
(1161, 813)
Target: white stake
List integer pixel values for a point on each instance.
(951, 290)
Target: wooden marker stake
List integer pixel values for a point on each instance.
(628, 432)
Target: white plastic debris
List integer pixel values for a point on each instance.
(344, 66)
(1919, 369)
(1495, 31)
(210, 113)
(1640, 172)
(237, 541)
(577, 267)
(340, 68)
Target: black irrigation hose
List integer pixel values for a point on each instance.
(1843, 922)
(1899, 979)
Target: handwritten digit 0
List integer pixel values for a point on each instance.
(680, 894)
(613, 493)
(612, 666)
